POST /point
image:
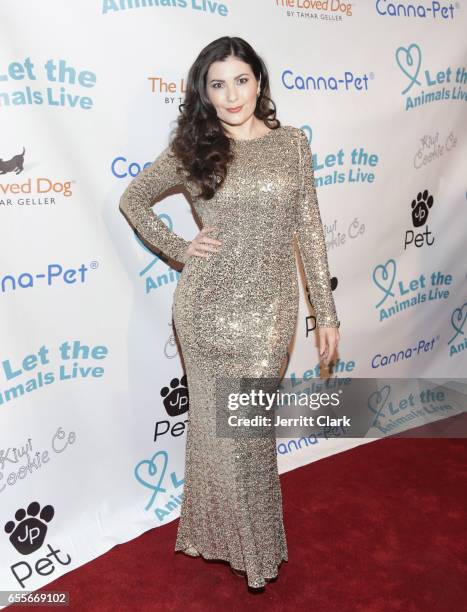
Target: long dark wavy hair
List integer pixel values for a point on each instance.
(199, 141)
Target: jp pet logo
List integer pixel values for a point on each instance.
(27, 534)
(458, 342)
(400, 295)
(434, 85)
(39, 185)
(420, 208)
(29, 528)
(176, 402)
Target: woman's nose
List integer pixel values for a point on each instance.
(231, 94)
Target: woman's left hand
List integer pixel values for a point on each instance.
(329, 338)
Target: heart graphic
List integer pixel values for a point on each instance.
(377, 401)
(150, 473)
(385, 272)
(458, 318)
(409, 58)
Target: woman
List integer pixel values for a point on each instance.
(235, 305)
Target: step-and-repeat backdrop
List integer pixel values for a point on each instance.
(93, 398)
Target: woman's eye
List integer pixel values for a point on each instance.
(242, 80)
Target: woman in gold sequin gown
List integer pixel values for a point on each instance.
(235, 310)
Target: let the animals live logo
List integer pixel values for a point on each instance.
(429, 84)
(401, 292)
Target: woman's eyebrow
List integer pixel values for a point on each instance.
(237, 77)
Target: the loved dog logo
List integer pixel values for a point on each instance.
(38, 190)
(14, 164)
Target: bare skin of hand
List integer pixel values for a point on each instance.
(329, 338)
(203, 245)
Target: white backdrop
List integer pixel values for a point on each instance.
(92, 397)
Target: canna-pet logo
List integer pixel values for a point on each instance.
(439, 11)
(39, 190)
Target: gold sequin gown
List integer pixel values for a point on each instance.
(234, 315)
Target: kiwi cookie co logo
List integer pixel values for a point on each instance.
(38, 186)
(27, 534)
(427, 85)
(420, 208)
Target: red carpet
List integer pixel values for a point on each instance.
(374, 529)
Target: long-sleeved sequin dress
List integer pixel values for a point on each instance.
(235, 314)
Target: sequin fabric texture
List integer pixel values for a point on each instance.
(235, 314)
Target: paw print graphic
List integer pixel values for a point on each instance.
(420, 208)
(29, 533)
(176, 399)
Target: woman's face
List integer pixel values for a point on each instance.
(232, 86)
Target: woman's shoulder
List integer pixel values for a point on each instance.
(291, 129)
(294, 134)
